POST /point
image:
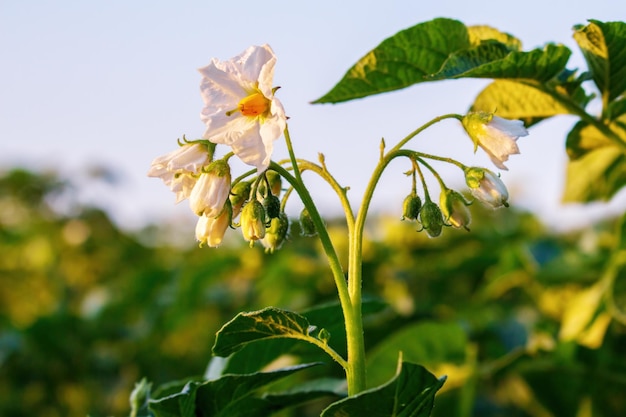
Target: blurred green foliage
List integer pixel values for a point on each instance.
(523, 322)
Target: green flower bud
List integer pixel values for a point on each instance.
(454, 209)
(431, 218)
(253, 221)
(271, 203)
(411, 207)
(306, 224)
(239, 195)
(275, 180)
(276, 233)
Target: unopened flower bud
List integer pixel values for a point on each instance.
(253, 221)
(307, 227)
(276, 233)
(239, 195)
(275, 181)
(271, 203)
(411, 207)
(211, 190)
(487, 187)
(431, 218)
(454, 209)
(139, 396)
(211, 230)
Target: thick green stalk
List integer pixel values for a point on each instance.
(356, 345)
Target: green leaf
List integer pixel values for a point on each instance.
(404, 59)
(584, 138)
(513, 99)
(309, 390)
(329, 317)
(269, 323)
(429, 343)
(602, 45)
(410, 393)
(596, 175)
(496, 60)
(228, 396)
(181, 404)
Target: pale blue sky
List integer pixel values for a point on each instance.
(115, 82)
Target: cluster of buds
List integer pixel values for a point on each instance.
(191, 174)
(453, 210)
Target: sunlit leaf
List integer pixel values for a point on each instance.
(602, 44)
(269, 323)
(514, 100)
(597, 175)
(410, 393)
(496, 60)
(481, 33)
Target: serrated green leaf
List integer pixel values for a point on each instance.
(401, 60)
(410, 393)
(428, 343)
(596, 175)
(255, 355)
(269, 323)
(496, 60)
(602, 45)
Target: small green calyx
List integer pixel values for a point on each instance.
(276, 233)
(219, 168)
(454, 209)
(307, 225)
(271, 204)
(411, 207)
(474, 176)
(431, 219)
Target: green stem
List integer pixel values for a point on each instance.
(356, 346)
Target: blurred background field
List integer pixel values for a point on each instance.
(88, 309)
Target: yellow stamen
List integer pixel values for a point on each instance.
(253, 105)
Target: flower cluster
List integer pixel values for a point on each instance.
(241, 112)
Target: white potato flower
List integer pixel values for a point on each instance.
(240, 108)
(495, 135)
(179, 168)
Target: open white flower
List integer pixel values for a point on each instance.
(178, 168)
(240, 108)
(495, 135)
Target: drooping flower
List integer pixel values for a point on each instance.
(495, 135)
(211, 191)
(487, 187)
(211, 230)
(240, 108)
(179, 168)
